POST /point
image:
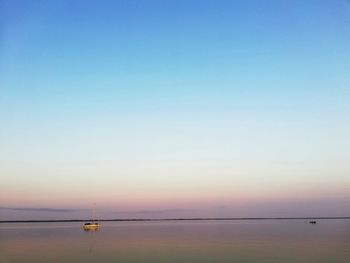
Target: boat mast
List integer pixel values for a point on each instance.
(94, 213)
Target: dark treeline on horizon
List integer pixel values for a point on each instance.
(173, 219)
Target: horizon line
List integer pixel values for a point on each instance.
(172, 219)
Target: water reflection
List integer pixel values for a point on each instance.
(224, 241)
(91, 233)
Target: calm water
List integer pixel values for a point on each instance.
(178, 241)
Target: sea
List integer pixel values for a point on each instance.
(241, 241)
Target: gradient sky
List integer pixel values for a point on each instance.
(174, 108)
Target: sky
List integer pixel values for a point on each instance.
(159, 109)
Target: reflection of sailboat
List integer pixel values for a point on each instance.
(93, 225)
(91, 240)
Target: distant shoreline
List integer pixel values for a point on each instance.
(173, 219)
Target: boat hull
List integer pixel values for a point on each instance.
(92, 226)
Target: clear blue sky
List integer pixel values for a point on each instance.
(181, 107)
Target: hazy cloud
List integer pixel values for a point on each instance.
(40, 209)
(160, 211)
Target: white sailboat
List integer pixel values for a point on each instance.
(93, 225)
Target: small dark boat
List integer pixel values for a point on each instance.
(312, 222)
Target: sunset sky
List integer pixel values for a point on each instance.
(156, 109)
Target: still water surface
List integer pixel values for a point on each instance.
(178, 241)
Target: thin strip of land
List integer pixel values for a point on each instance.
(174, 219)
